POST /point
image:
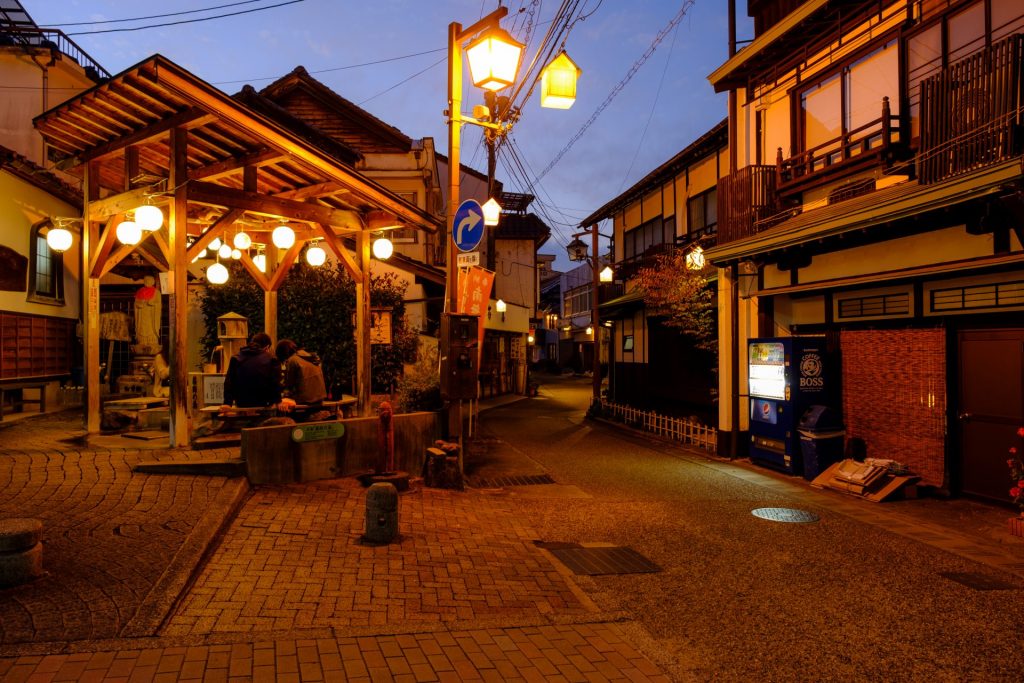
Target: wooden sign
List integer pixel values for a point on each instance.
(380, 326)
(318, 431)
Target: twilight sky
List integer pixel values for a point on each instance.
(666, 105)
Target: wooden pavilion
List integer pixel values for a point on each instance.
(156, 133)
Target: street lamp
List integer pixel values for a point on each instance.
(577, 249)
(493, 61)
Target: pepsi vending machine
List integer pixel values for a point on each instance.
(787, 375)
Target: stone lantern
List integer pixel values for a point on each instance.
(233, 333)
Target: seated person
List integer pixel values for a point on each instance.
(254, 376)
(303, 378)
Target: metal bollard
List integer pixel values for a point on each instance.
(381, 514)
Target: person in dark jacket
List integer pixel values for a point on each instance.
(254, 376)
(303, 378)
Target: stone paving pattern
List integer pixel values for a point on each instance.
(293, 558)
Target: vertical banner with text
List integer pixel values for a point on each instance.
(474, 292)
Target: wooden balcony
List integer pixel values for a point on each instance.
(746, 200)
(971, 112)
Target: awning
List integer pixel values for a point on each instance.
(620, 305)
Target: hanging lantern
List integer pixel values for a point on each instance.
(58, 239)
(217, 274)
(242, 241)
(607, 275)
(224, 251)
(695, 259)
(215, 244)
(128, 232)
(558, 83)
(382, 248)
(149, 217)
(316, 256)
(283, 237)
(236, 254)
(590, 330)
(260, 261)
(577, 249)
(492, 211)
(494, 59)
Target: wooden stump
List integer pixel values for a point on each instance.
(441, 468)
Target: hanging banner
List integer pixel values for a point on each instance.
(474, 293)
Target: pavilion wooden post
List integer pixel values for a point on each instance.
(177, 229)
(363, 324)
(270, 313)
(90, 302)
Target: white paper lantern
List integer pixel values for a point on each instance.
(260, 261)
(149, 217)
(242, 241)
(283, 237)
(215, 244)
(58, 239)
(236, 254)
(224, 251)
(316, 256)
(383, 248)
(217, 274)
(128, 232)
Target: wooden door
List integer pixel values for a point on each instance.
(991, 409)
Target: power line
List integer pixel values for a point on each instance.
(339, 68)
(403, 81)
(157, 16)
(185, 21)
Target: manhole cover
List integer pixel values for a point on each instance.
(978, 582)
(600, 560)
(785, 515)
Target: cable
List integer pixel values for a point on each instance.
(184, 21)
(157, 16)
(340, 68)
(401, 82)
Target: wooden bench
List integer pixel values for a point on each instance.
(19, 400)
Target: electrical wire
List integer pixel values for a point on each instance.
(339, 68)
(402, 82)
(156, 16)
(184, 21)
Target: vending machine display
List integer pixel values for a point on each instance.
(786, 376)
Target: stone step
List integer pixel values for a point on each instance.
(230, 467)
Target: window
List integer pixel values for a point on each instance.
(627, 342)
(577, 301)
(652, 233)
(702, 212)
(849, 103)
(46, 269)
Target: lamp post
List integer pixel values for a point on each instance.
(493, 61)
(577, 249)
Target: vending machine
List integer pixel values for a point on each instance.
(787, 375)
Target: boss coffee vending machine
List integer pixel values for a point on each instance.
(787, 375)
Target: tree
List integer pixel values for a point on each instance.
(683, 297)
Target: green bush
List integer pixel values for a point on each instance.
(420, 386)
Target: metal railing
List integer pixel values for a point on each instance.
(678, 429)
(54, 39)
(971, 112)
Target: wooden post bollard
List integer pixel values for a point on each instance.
(385, 440)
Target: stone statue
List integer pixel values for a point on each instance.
(147, 317)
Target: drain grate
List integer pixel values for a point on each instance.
(599, 561)
(785, 515)
(528, 480)
(978, 582)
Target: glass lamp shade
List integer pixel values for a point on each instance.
(224, 251)
(149, 217)
(236, 254)
(607, 275)
(577, 250)
(58, 239)
(500, 306)
(492, 211)
(217, 274)
(128, 232)
(316, 256)
(242, 241)
(283, 237)
(382, 248)
(558, 83)
(260, 261)
(494, 59)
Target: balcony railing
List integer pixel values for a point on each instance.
(745, 199)
(56, 39)
(971, 112)
(852, 149)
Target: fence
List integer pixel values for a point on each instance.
(678, 429)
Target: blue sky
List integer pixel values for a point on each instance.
(668, 102)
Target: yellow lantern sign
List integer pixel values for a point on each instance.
(558, 83)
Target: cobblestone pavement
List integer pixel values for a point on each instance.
(110, 538)
(293, 558)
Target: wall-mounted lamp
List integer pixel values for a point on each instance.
(58, 239)
(607, 275)
(500, 306)
(492, 212)
(590, 330)
(695, 258)
(383, 248)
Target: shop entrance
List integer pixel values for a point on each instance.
(991, 408)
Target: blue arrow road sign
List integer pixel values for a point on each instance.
(468, 226)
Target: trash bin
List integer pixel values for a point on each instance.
(821, 439)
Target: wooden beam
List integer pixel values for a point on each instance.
(311, 191)
(90, 302)
(177, 230)
(120, 203)
(200, 245)
(277, 279)
(363, 326)
(161, 244)
(217, 195)
(259, 276)
(335, 244)
(151, 258)
(119, 255)
(234, 164)
(101, 251)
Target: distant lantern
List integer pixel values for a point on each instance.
(215, 244)
(577, 249)
(224, 251)
(283, 237)
(558, 83)
(128, 232)
(217, 274)
(242, 241)
(149, 217)
(260, 261)
(316, 256)
(590, 329)
(494, 59)
(607, 275)
(492, 211)
(236, 254)
(58, 239)
(383, 248)
(695, 259)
